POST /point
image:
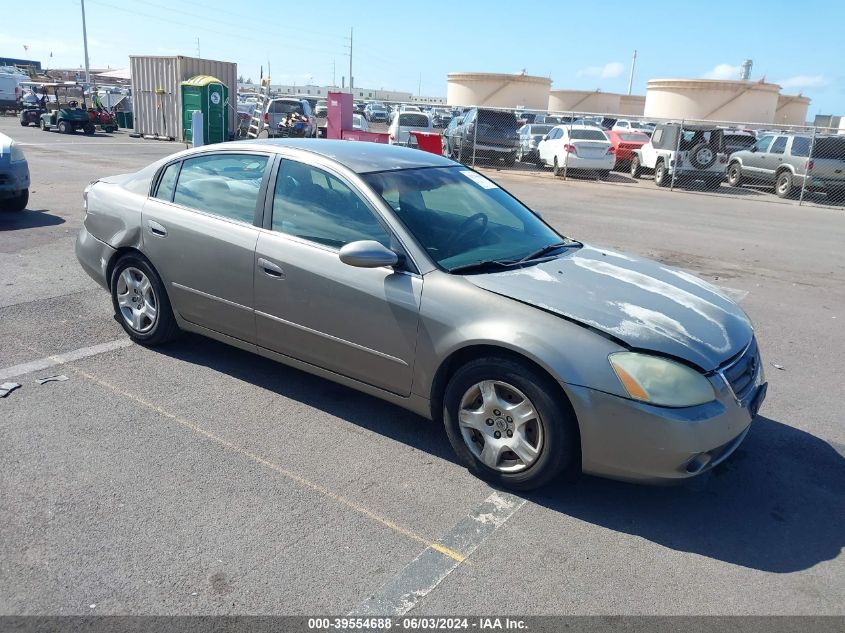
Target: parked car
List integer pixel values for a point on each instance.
(441, 118)
(448, 136)
(492, 134)
(691, 152)
(14, 176)
(322, 108)
(360, 123)
(402, 107)
(412, 278)
(786, 161)
(624, 144)
(406, 122)
(577, 147)
(596, 123)
(530, 136)
(627, 125)
(375, 113)
(279, 109)
(359, 107)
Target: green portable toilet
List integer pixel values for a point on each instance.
(211, 96)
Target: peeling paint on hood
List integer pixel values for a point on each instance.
(643, 303)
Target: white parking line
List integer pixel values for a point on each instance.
(61, 359)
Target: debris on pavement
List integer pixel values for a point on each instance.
(776, 366)
(8, 387)
(56, 378)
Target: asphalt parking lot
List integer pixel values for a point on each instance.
(199, 479)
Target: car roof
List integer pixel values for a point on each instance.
(360, 157)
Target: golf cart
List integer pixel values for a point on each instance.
(65, 114)
(32, 107)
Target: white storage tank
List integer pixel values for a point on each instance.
(792, 110)
(497, 90)
(589, 101)
(712, 99)
(632, 105)
(156, 94)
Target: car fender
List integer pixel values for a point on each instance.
(121, 226)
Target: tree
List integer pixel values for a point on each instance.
(240, 79)
(249, 81)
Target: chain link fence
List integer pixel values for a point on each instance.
(802, 164)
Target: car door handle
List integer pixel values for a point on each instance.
(156, 228)
(271, 269)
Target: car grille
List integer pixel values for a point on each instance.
(740, 372)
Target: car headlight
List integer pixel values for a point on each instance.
(16, 153)
(660, 381)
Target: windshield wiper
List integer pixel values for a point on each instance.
(548, 249)
(483, 266)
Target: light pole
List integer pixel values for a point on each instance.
(85, 44)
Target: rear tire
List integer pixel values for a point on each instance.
(164, 327)
(556, 167)
(89, 129)
(636, 167)
(783, 185)
(550, 427)
(509, 160)
(734, 175)
(661, 174)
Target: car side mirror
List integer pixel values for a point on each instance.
(368, 254)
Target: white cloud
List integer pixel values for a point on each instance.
(610, 70)
(804, 81)
(723, 71)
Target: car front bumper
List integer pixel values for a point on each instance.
(634, 441)
(94, 256)
(14, 178)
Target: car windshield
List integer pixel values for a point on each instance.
(587, 135)
(460, 217)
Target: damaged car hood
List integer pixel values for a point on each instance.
(643, 303)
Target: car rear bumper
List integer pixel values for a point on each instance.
(577, 162)
(634, 441)
(94, 256)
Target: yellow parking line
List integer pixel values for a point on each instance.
(278, 469)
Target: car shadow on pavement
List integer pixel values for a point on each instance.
(776, 505)
(347, 404)
(28, 219)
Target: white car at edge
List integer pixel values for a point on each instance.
(577, 147)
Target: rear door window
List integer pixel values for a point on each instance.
(223, 184)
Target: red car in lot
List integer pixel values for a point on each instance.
(624, 144)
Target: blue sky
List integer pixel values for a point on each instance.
(406, 44)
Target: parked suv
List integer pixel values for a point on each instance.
(375, 112)
(490, 134)
(690, 152)
(785, 161)
(279, 109)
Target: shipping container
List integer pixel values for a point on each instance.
(156, 92)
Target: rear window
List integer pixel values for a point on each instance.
(413, 119)
(829, 148)
(285, 107)
(505, 120)
(588, 135)
(634, 138)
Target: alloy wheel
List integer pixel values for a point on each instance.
(137, 300)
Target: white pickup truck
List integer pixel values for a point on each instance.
(690, 152)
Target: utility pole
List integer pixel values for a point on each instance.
(351, 82)
(631, 77)
(419, 87)
(334, 75)
(85, 44)
(198, 47)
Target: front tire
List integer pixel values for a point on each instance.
(506, 423)
(735, 175)
(140, 301)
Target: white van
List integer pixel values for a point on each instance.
(10, 89)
